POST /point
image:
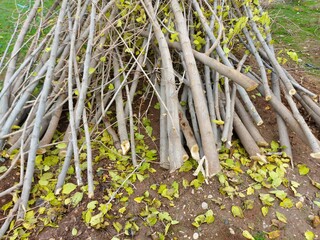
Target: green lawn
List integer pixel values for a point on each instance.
(9, 13)
(296, 26)
(8, 16)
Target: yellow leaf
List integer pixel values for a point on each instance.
(247, 235)
(286, 203)
(303, 169)
(309, 235)
(122, 210)
(264, 211)
(139, 199)
(250, 190)
(274, 234)
(281, 217)
(218, 122)
(237, 211)
(91, 70)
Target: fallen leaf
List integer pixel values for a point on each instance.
(247, 235)
(303, 169)
(286, 203)
(250, 190)
(237, 211)
(281, 217)
(316, 221)
(68, 188)
(274, 234)
(309, 235)
(264, 211)
(74, 232)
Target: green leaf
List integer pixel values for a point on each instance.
(43, 182)
(96, 219)
(266, 199)
(248, 204)
(237, 211)
(186, 166)
(226, 50)
(309, 235)
(274, 146)
(167, 228)
(281, 217)
(295, 184)
(303, 169)
(199, 220)
(68, 188)
(317, 203)
(174, 37)
(119, 23)
(7, 206)
(74, 232)
(122, 210)
(218, 122)
(165, 216)
(157, 106)
(139, 199)
(61, 146)
(91, 70)
(293, 56)
(286, 203)
(185, 183)
(110, 86)
(247, 235)
(152, 219)
(149, 130)
(264, 211)
(3, 169)
(76, 198)
(209, 217)
(250, 190)
(153, 187)
(117, 226)
(279, 194)
(92, 204)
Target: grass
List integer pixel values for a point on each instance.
(296, 25)
(9, 12)
(8, 16)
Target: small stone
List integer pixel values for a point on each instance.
(192, 191)
(232, 231)
(311, 217)
(195, 236)
(210, 196)
(204, 205)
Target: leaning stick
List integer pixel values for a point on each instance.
(122, 129)
(312, 140)
(207, 138)
(40, 112)
(89, 156)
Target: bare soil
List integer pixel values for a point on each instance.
(188, 205)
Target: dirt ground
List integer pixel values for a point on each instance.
(192, 202)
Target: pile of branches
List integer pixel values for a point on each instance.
(92, 56)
